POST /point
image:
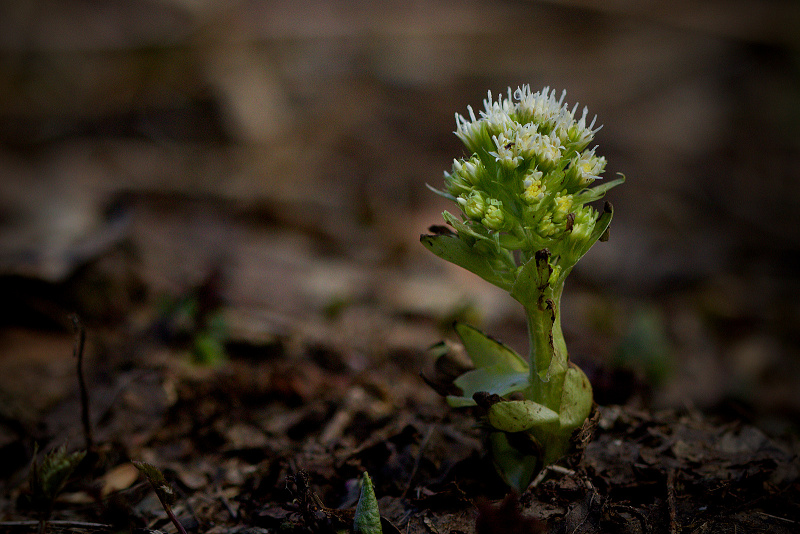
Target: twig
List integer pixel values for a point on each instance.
(779, 518)
(425, 439)
(547, 469)
(226, 503)
(671, 504)
(80, 340)
(59, 523)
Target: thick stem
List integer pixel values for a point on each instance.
(548, 351)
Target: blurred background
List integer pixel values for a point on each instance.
(253, 173)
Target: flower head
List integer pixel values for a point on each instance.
(524, 185)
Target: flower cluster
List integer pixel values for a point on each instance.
(526, 185)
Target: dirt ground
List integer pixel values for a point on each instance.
(230, 197)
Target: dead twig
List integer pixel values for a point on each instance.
(671, 502)
(80, 341)
(547, 469)
(56, 523)
(425, 439)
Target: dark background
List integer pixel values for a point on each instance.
(277, 153)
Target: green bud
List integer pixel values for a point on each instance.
(553, 280)
(583, 225)
(545, 228)
(464, 176)
(493, 217)
(580, 238)
(563, 205)
(474, 206)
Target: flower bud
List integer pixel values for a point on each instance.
(545, 227)
(548, 152)
(473, 206)
(578, 134)
(583, 225)
(533, 188)
(562, 208)
(493, 218)
(464, 176)
(530, 150)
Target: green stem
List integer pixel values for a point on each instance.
(548, 351)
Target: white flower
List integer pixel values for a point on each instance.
(539, 107)
(507, 152)
(576, 134)
(494, 119)
(589, 167)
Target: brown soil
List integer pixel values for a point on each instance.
(233, 440)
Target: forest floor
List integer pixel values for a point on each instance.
(332, 397)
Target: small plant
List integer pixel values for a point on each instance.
(164, 491)
(49, 477)
(367, 518)
(524, 195)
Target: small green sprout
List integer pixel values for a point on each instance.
(367, 519)
(319, 518)
(524, 194)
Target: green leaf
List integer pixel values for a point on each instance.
(595, 193)
(515, 467)
(465, 229)
(485, 351)
(603, 222)
(499, 370)
(493, 380)
(368, 517)
(455, 250)
(49, 478)
(441, 193)
(519, 415)
(533, 278)
(576, 399)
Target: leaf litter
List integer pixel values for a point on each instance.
(280, 445)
